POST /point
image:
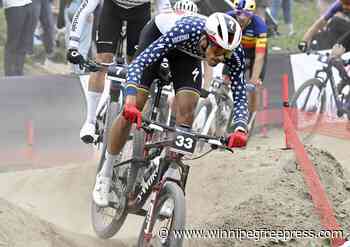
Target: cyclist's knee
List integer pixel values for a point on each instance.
(186, 102)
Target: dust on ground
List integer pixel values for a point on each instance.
(19, 228)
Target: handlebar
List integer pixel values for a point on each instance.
(322, 57)
(118, 71)
(216, 142)
(337, 63)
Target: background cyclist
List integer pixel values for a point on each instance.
(337, 22)
(254, 42)
(137, 13)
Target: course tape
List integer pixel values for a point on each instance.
(319, 197)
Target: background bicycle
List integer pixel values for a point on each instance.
(310, 100)
(214, 112)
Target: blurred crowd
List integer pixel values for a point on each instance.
(36, 22)
(31, 22)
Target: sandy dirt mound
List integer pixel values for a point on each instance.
(282, 203)
(19, 228)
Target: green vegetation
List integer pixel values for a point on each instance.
(304, 14)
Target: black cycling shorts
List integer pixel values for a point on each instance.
(110, 24)
(186, 70)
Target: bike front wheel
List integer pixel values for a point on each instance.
(168, 220)
(107, 221)
(307, 107)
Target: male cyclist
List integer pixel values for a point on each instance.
(114, 12)
(337, 20)
(254, 42)
(185, 40)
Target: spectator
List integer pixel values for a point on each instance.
(287, 12)
(19, 20)
(43, 13)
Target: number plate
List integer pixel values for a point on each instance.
(184, 143)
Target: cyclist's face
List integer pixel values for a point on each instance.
(215, 54)
(243, 17)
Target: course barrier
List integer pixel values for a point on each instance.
(319, 197)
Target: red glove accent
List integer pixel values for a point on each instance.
(237, 139)
(132, 114)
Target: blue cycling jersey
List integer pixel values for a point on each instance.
(184, 34)
(337, 6)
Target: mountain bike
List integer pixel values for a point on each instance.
(159, 176)
(309, 101)
(213, 113)
(107, 221)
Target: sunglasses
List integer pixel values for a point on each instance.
(227, 53)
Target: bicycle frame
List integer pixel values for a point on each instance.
(330, 78)
(171, 169)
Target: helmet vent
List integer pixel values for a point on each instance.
(220, 31)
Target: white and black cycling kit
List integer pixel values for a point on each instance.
(136, 12)
(177, 37)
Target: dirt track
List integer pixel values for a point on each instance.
(260, 187)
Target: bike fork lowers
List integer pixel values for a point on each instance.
(151, 212)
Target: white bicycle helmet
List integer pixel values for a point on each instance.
(223, 30)
(186, 6)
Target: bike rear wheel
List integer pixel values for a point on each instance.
(170, 215)
(307, 107)
(107, 221)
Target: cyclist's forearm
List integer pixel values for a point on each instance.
(318, 25)
(130, 99)
(258, 66)
(79, 20)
